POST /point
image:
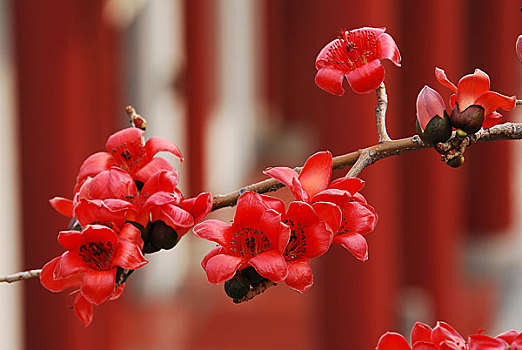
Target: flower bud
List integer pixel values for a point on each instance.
(253, 277)
(470, 120)
(237, 287)
(518, 47)
(455, 162)
(432, 120)
(157, 236)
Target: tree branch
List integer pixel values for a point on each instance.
(380, 113)
(20, 276)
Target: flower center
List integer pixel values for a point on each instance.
(296, 247)
(353, 50)
(249, 242)
(97, 254)
(129, 156)
(344, 228)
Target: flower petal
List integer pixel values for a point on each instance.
(481, 342)
(222, 267)
(198, 207)
(250, 207)
(70, 264)
(441, 77)
(387, 48)
(444, 332)
(271, 265)
(316, 173)
(424, 346)
(57, 285)
(491, 101)
(92, 166)
(159, 144)
(83, 309)
(330, 79)
(300, 275)
(62, 205)
(274, 203)
(173, 216)
(288, 178)
(350, 184)
(213, 230)
(355, 243)
(429, 105)
(215, 251)
(491, 120)
(162, 181)
(128, 256)
(155, 165)
(420, 332)
(518, 47)
(392, 341)
(70, 240)
(98, 286)
(329, 213)
(358, 217)
(470, 87)
(318, 239)
(366, 78)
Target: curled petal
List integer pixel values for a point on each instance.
(392, 341)
(222, 267)
(270, 265)
(471, 87)
(70, 240)
(359, 217)
(124, 137)
(424, 346)
(162, 181)
(366, 78)
(318, 238)
(441, 77)
(274, 203)
(350, 184)
(173, 216)
(159, 144)
(330, 79)
(83, 309)
(288, 177)
(444, 332)
(387, 48)
(62, 205)
(300, 275)
(518, 47)
(57, 285)
(481, 341)
(316, 173)
(420, 333)
(215, 251)
(69, 265)
(250, 207)
(491, 101)
(355, 243)
(92, 166)
(491, 120)
(329, 213)
(213, 230)
(155, 165)
(198, 207)
(98, 286)
(129, 256)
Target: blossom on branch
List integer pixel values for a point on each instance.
(356, 55)
(433, 123)
(444, 337)
(474, 105)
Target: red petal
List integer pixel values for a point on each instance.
(508, 336)
(420, 332)
(366, 78)
(122, 137)
(215, 251)
(129, 256)
(316, 173)
(131, 234)
(164, 180)
(329, 213)
(441, 77)
(482, 342)
(198, 207)
(333, 195)
(222, 267)
(300, 275)
(491, 101)
(301, 212)
(114, 183)
(159, 144)
(470, 87)
(62, 205)
(98, 286)
(250, 207)
(491, 120)
(518, 47)
(151, 168)
(117, 293)
(444, 331)
(288, 177)
(69, 265)
(159, 199)
(360, 218)
(173, 216)
(330, 79)
(47, 278)
(350, 184)
(387, 48)
(70, 240)
(270, 265)
(92, 166)
(213, 230)
(322, 59)
(83, 309)
(277, 233)
(318, 239)
(99, 233)
(429, 104)
(392, 341)
(355, 243)
(274, 203)
(424, 346)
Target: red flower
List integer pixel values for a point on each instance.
(512, 338)
(256, 237)
(92, 256)
(309, 238)
(444, 337)
(518, 47)
(356, 55)
(127, 151)
(473, 90)
(313, 186)
(432, 120)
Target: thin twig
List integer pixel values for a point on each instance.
(380, 113)
(20, 276)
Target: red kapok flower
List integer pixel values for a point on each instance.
(356, 55)
(257, 238)
(472, 100)
(432, 120)
(127, 151)
(518, 47)
(94, 254)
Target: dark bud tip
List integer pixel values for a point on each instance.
(162, 235)
(253, 277)
(437, 130)
(470, 120)
(237, 287)
(455, 162)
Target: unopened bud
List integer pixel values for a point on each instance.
(237, 287)
(470, 120)
(455, 162)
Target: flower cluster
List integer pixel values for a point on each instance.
(125, 203)
(473, 106)
(266, 241)
(444, 337)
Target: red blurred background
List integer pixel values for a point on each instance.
(232, 83)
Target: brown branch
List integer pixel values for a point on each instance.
(380, 113)
(20, 276)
